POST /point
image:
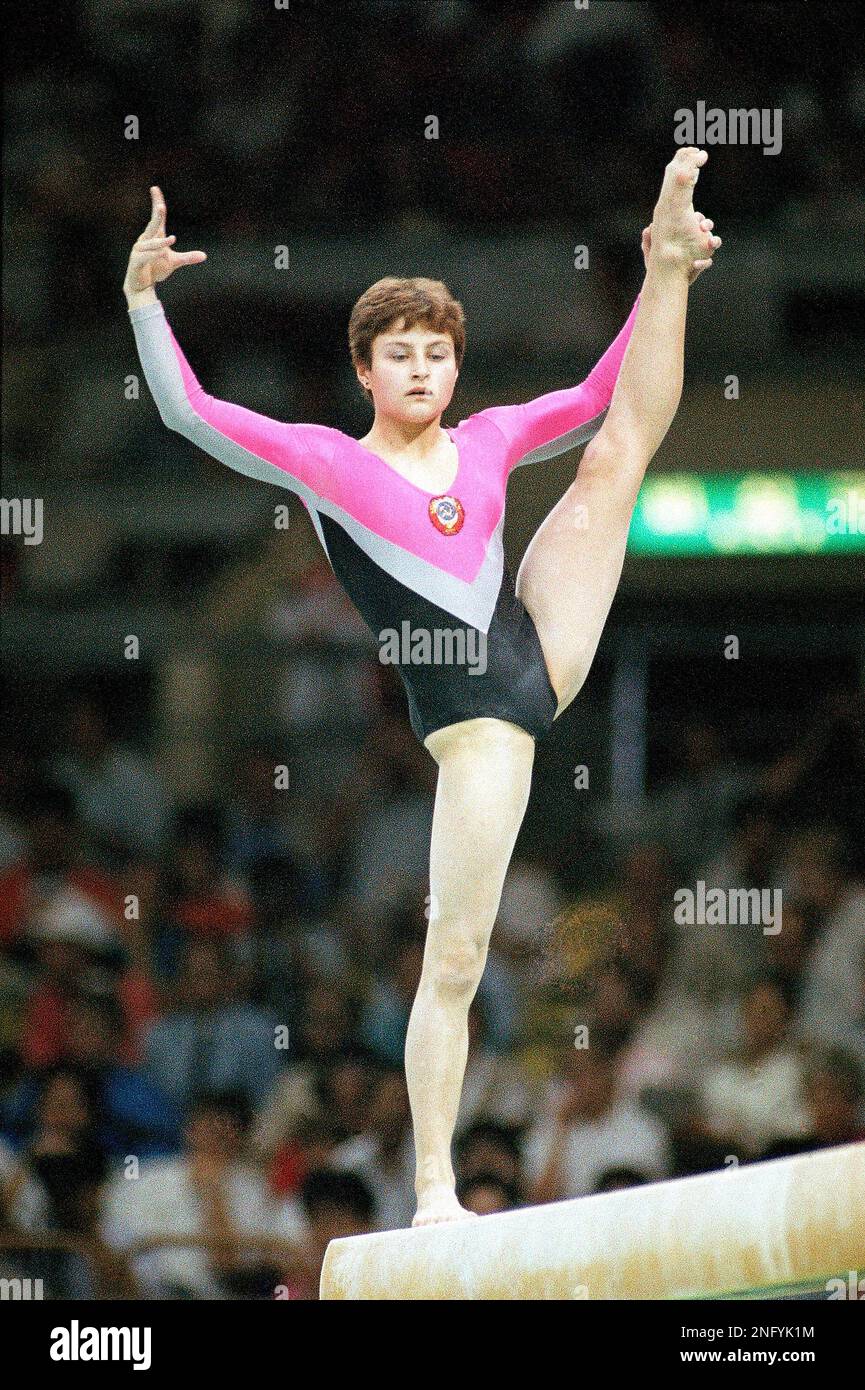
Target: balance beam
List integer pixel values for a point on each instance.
(750, 1231)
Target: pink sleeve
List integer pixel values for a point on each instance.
(559, 420)
(296, 456)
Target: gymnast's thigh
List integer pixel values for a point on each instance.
(484, 782)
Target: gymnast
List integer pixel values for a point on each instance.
(411, 517)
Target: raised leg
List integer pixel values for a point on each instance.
(571, 568)
(484, 780)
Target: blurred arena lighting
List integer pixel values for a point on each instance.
(750, 514)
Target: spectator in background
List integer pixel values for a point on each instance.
(644, 899)
(131, 1114)
(396, 809)
(755, 1095)
(23, 1211)
(694, 1145)
(78, 951)
(344, 1089)
(212, 1040)
(302, 1151)
(24, 1203)
(789, 950)
(585, 1130)
(324, 1035)
(752, 854)
(751, 858)
(74, 941)
(617, 1179)
(531, 897)
(833, 1086)
(830, 998)
(336, 1205)
(495, 1085)
(820, 778)
(653, 1048)
(256, 830)
(209, 1191)
(384, 1020)
(486, 1193)
(487, 1149)
(693, 810)
(119, 796)
(631, 919)
(384, 1154)
(199, 896)
(52, 860)
(286, 947)
(64, 1155)
(683, 1030)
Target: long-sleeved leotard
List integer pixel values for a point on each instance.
(403, 553)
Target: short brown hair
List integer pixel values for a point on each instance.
(426, 303)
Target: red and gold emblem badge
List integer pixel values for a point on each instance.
(446, 514)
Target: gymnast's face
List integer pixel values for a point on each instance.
(406, 362)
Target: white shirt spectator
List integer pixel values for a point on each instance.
(122, 795)
(28, 1209)
(162, 1201)
(756, 1103)
(624, 1136)
(831, 999)
(672, 1045)
(393, 1189)
(495, 1088)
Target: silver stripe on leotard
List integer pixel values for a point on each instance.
(563, 442)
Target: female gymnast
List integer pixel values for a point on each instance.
(410, 518)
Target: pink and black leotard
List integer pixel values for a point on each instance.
(405, 555)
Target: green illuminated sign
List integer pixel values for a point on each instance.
(750, 514)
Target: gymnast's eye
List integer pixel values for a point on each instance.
(400, 357)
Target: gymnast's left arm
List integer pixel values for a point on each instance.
(559, 420)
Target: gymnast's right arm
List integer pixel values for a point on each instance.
(294, 456)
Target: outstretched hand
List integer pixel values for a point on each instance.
(153, 257)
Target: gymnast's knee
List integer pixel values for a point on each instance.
(453, 968)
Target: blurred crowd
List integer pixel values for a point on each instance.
(274, 102)
(202, 1022)
(261, 122)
